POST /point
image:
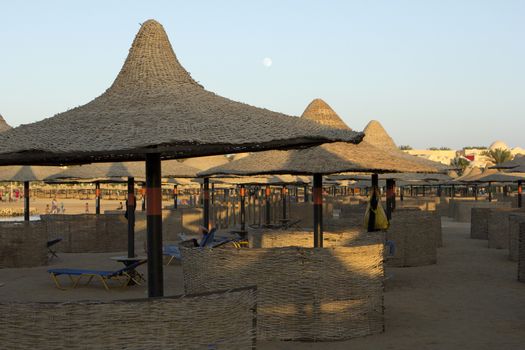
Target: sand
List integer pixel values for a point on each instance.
(469, 300)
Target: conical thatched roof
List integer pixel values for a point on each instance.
(501, 177)
(325, 159)
(471, 174)
(204, 163)
(17, 173)
(320, 112)
(114, 171)
(3, 124)
(262, 180)
(515, 165)
(154, 106)
(377, 136)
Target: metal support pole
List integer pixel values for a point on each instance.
(154, 225)
(519, 194)
(490, 191)
(374, 201)
(97, 197)
(130, 214)
(175, 196)
(206, 203)
(317, 193)
(476, 192)
(26, 201)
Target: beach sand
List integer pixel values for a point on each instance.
(469, 300)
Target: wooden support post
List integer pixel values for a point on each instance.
(154, 225)
(97, 197)
(374, 202)
(317, 192)
(206, 203)
(130, 215)
(27, 210)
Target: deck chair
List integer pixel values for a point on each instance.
(208, 240)
(124, 275)
(50, 251)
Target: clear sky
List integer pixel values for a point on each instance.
(434, 73)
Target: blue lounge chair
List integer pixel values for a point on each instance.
(124, 275)
(208, 240)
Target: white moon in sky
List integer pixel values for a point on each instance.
(267, 62)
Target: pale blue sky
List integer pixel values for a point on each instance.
(435, 73)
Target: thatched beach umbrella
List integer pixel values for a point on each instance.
(122, 172)
(154, 110)
(323, 160)
(26, 174)
(3, 124)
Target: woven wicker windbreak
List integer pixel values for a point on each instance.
(303, 293)
(220, 320)
(154, 106)
(18, 173)
(515, 220)
(521, 253)
(22, 244)
(320, 112)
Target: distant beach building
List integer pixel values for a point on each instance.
(474, 154)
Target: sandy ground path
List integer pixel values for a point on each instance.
(469, 300)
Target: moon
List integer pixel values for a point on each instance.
(267, 62)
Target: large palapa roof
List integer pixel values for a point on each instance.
(113, 171)
(154, 106)
(319, 111)
(377, 136)
(325, 159)
(3, 124)
(21, 173)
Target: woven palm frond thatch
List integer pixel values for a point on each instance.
(154, 106)
(107, 171)
(326, 159)
(204, 163)
(319, 111)
(17, 173)
(3, 124)
(377, 136)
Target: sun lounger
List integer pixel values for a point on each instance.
(52, 253)
(124, 275)
(208, 240)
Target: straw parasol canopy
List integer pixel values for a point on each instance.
(472, 173)
(3, 124)
(203, 163)
(17, 173)
(116, 172)
(515, 165)
(502, 177)
(154, 106)
(377, 136)
(325, 159)
(262, 180)
(320, 112)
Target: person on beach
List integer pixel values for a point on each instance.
(54, 206)
(48, 211)
(120, 206)
(87, 208)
